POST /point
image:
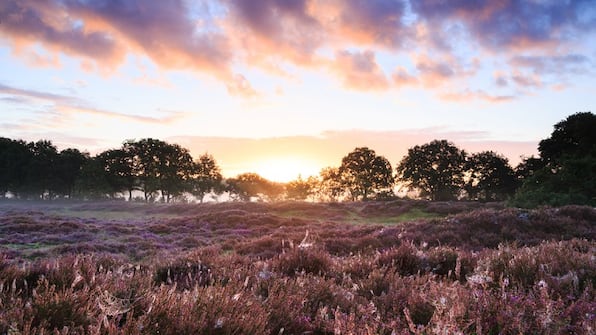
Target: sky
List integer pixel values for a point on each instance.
(287, 87)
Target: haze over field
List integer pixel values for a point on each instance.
(284, 88)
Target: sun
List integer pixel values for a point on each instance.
(285, 169)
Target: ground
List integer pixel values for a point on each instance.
(401, 266)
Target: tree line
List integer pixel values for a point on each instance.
(159, 171)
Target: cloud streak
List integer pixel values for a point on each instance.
(71, 105)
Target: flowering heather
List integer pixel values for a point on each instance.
(348, 268)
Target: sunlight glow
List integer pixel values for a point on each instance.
(284, 169)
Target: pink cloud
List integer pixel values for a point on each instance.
(401, 77)
(471, 95)
(359, 70)
(217, 37)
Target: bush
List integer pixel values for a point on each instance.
(303, 260)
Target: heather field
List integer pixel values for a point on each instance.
(393, 267)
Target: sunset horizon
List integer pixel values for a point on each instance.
(286, 88)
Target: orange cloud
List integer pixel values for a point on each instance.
(469, 95)
(359, 70)
(401, 77)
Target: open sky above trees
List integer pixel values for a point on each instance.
(286, 87)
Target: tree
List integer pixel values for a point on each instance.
(93, 180)
(250, 185)
(330, 187)
(435, 168)
(574, 182)
(363, 173)
(68, 166)
(160, 167)
(14, 158)
(301, 189)
(175, 169)
(573, 137)
(566, 172)
(41, 171)
(527, 167)
(489, 177)
(206, 177)
(119, 170)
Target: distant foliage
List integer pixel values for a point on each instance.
(364, 174)
(440, 171)
(565, 173)
(160, 170)
(489, 177)
(435, 168)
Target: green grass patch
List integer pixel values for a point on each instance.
(412, 215)
(417, 214)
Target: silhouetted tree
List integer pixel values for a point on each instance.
(93, 180)
(489, 177)
(331, 186)
(568, 172)
(206, 177)
(249, 185)
(527, 167)
(301, 189)
(363, 173)
(175, 169)
(14, 159)
(435, 168)
(41, 171)
(573, 182)
(119, 170)
(573, 137)
(160, 167)
(68, 167)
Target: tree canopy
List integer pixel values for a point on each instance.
(565, 173)
(489, 177)
(435, 168)
(364, 173)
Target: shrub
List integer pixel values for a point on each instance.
(303, 260)
(185, 273)
(403, 259)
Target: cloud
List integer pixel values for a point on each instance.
(220, 37)
(434, 72)
(160, 29)
(268, 31)
(49, 23)
(241, 86)
(569, 63)
(379, 22)
(471, 95)
(71, 105)
(401, 77)
(359, 70)
(500, 79)
(526, 80)
(500, 25)
(103, 32)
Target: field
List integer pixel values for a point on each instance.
(395, 267)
